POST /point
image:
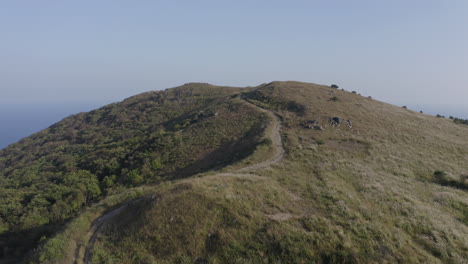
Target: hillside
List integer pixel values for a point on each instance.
(47, 178)
(285, 172)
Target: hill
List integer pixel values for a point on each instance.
(47, 178)
(285, 172)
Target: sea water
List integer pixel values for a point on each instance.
(19, 120)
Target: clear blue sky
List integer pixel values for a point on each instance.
(412, 52)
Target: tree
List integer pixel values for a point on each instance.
(84, 181)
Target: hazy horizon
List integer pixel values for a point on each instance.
(22, 119)
(402, 52)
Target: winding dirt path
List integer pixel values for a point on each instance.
(99, 223)
(277, 144)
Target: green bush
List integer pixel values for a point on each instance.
(52, 250)
(134, 177)
(157, 164)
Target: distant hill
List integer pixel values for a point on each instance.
(285, 172)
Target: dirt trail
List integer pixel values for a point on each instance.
(277, 143)
(94, 231)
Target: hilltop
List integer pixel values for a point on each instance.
(285, 172)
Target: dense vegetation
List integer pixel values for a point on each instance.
(47, 178)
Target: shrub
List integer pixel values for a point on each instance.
(440, 173)
(463, 178)
(334, 99)
(334, 86)
(460, 121)
(134, 177)
(157, 164)
(421, 112)
(440, 176)
(296, 107)
(266, 141)
(405, 107)
(354, 92)
(53, 250)
(109, 181)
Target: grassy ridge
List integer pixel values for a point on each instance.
(349, 194)
(365, 191)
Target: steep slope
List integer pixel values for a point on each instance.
(47, 178)
(352, 180)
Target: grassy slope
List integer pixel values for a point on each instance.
(47, 178)
(361, 195)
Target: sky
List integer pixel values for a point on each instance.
(405, 52)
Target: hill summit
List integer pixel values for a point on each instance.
(285, 172)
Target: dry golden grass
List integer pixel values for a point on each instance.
(341, 195)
